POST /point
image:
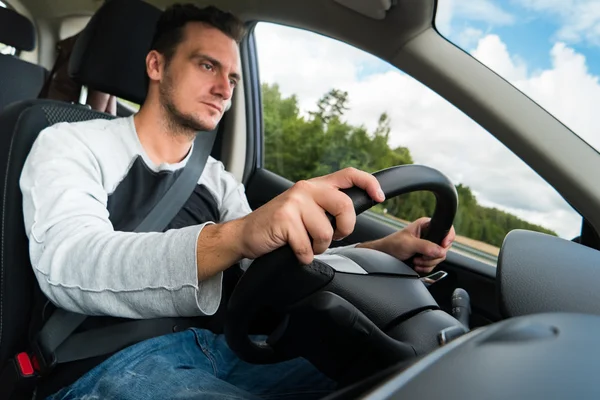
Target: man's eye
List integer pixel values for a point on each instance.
(233, 82)
(207, 67)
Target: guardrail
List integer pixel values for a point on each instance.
(456, 247)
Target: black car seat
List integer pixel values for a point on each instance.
(19, 79)
(110, 57)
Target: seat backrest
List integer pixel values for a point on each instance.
(20, 124)
(19, 79)
(17, 281)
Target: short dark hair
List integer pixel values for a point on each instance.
(169, 28)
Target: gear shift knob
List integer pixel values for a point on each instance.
(461, 309)
(461, 306)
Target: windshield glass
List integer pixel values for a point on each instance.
(548, 49)
(346, 107)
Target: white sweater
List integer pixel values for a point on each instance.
(85, 187)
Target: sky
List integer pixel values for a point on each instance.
(549, 49)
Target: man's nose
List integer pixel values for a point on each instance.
(223, 87)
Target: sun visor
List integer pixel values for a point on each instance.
(375, 9)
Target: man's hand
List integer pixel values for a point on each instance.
(407, 242)
(293, 217)
(298, 215)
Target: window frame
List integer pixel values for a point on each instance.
(253, 104)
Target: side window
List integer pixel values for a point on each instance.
(4, 49)
(327, 105)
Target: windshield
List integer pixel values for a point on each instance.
(346, 107)
(548, 49)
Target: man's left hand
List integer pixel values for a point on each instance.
(407, 242)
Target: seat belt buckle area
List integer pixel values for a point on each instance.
(26, 365)
(44, 360)
(19, 376)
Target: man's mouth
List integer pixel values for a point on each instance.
(216, 107)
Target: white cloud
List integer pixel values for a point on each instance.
(569, 91)
(483, 10)
(295, 59)
(492, 52)
(469, 37)
(486, 11)
(443, 15)
(436, 133)
(579, 19)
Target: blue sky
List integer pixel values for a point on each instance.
(529, 28)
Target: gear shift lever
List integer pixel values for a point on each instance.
(461, 306)
(461, 309)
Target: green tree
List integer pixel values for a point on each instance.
(293, 146)
(331, 105)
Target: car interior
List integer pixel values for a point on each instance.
(21, 79)
(525, 328)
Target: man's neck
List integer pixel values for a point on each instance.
(160, 142)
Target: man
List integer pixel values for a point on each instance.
(86, 184)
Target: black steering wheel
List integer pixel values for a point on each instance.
(278, 280)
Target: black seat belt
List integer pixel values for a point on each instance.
(54, 343)
(169, 205)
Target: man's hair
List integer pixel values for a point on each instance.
(169, 29)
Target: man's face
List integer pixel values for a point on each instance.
(198, 82)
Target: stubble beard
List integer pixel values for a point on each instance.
(178, 123)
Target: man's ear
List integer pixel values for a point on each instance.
(154, 65)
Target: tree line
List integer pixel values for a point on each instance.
(299, 147)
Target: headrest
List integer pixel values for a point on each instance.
(110, 53)
(16, 30)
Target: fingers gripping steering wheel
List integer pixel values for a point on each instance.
(261, 284)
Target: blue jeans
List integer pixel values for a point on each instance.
(195, 364)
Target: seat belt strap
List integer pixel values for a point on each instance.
(56, 330)
(110, 339)
(54, 343)
(169, 205)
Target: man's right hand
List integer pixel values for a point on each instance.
(294, 217)
(298, 214)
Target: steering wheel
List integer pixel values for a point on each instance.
(279, 280)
